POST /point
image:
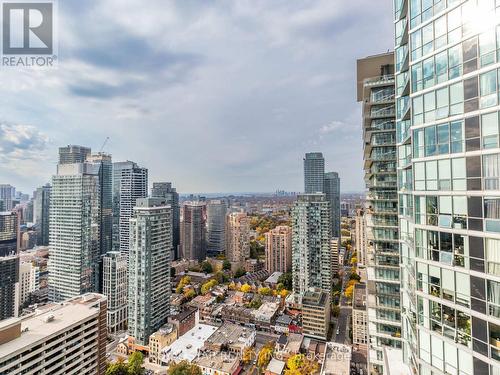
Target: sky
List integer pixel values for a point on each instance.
(215, 96)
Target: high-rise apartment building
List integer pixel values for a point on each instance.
(115, 288)
(7, 195)
(165, 190)
(314, 172)
(74, 227)
(9, 264)
(311, 249)
(41, 213)
(64, 338)
(193, 231)
(237, 237)
(73, 154)
(216, 227)
(130, 182)
(279, 249)
(447, 102)
(360, 241)
(149, 268)
(336, 256)
(104, 170)
(332, 192)
(359, 318)
(376, 92)
(28, 275)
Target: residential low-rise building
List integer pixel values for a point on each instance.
(237, 314)
(232, 338)
(184, 321)
(218, 364)
(264, 316)
(275, 367)
(187, 346)
(165, 336)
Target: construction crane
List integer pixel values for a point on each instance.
(104, 144)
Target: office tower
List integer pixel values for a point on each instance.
(149, 268)
(376, 92)
(74, 231)
(9, 264)
(279, 249)
(237, 237)
(115, 288)
(7, 195)
(28, 212)
(41, 206)
(193, 231)
(104, 169)
(64, 338)
(165, 190)
(27, 281)
(311, 248)
(216, 227)
(73, 154)
(314, 172)
(130, 182)
(360, 242)
(448, 168)
(332, 192)
(316, 315)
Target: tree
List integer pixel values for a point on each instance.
(265, 355)
(207, 267)
(265, 291)
(239, 272)
(190, 294)
(221, 277)
(299, 365)
(205, 288)
(135, 362)
(182, 283)
(117, 368)
(226, 265)
(184, 368)
(283, 293)
(335, 311)
(286, 280)
(354, 260)
(245, 288)
(248, 355)
(355, 276)
(349, 291)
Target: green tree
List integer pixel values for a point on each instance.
(135, 362)
(286, 280)
(184, 368)
(207, 267)
(265, 291)
(226, 265)
(205, 288)
(354, 276)
(265, 355)
(239, 272)
(117, 368)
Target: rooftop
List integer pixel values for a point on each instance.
(275, 366)
(273, 279)
(186, 347)
(337, 359)
(218, 362)
(228, 334)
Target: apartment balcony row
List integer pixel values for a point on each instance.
(383, 80)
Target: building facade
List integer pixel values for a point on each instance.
(149, 268)
(237, 237)
(360, 241)
(28, 275)
(115, 288)
(311, 250)
(9, 264)
(72, 154)
(314, 172)
(41, 213)
(359, 318)
(193, 231)
(165, 190)
(7, 195)
(279, 249)
(216, 227)
(130, 182)
(332, 192)
(447, 102)
(316, 309)
(376, 92)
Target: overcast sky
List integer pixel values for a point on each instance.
(215, 96)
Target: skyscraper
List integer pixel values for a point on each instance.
(149, 268)
(193, 236)
(74, 227)
(311, 250)
(314, 172)
(332, 192)
(41, 206)
(7, 194)
(448, 173)
(115, 288)
(9, 264)
(165, 190)
(216, 227)
(376, 91)
(104, 168)
(73, 154)
(237, 237)
(279, 249)
(130, 182)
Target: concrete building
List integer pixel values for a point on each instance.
(63, 338)
(216, 227)
(193, 231)
(115, 288)
(279, 249)
(130, 182)
(149, 268)
(237, 237)
(185, 320)
(9, 264)
(332, 193)
(336, 258)
(360, 240)
(74, 231)
(448, 172)
(311, 248)
(28, 275)
(218, 363)
(41, 213)
(359, 318)
(231, 338)
(314, 173)
(337, 359)
(72, 154)
(7, 195)
(316, 314)
(165, 190)
(376, 92)
(165, 336)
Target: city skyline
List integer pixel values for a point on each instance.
(256, 134)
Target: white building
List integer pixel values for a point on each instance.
(237, 237)
(28, 276)
(63, 338)
(115, 288)
(279, 249)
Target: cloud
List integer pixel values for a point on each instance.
(19, 142)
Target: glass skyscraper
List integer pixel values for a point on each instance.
(447, 60)
(314, 172)
(332, 192)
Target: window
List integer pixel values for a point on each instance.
(492, 214)
(493, 256)
(441, 66)
(428, 72)
(418, 110)
(429, 106)
(444, 172)
(489, 130)
(491, 172)
(487, 48)
(455, 61)
(458, 173)
(456, 98)
(418, 143)
(488, 89)
(456, 135)
(430, 141)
